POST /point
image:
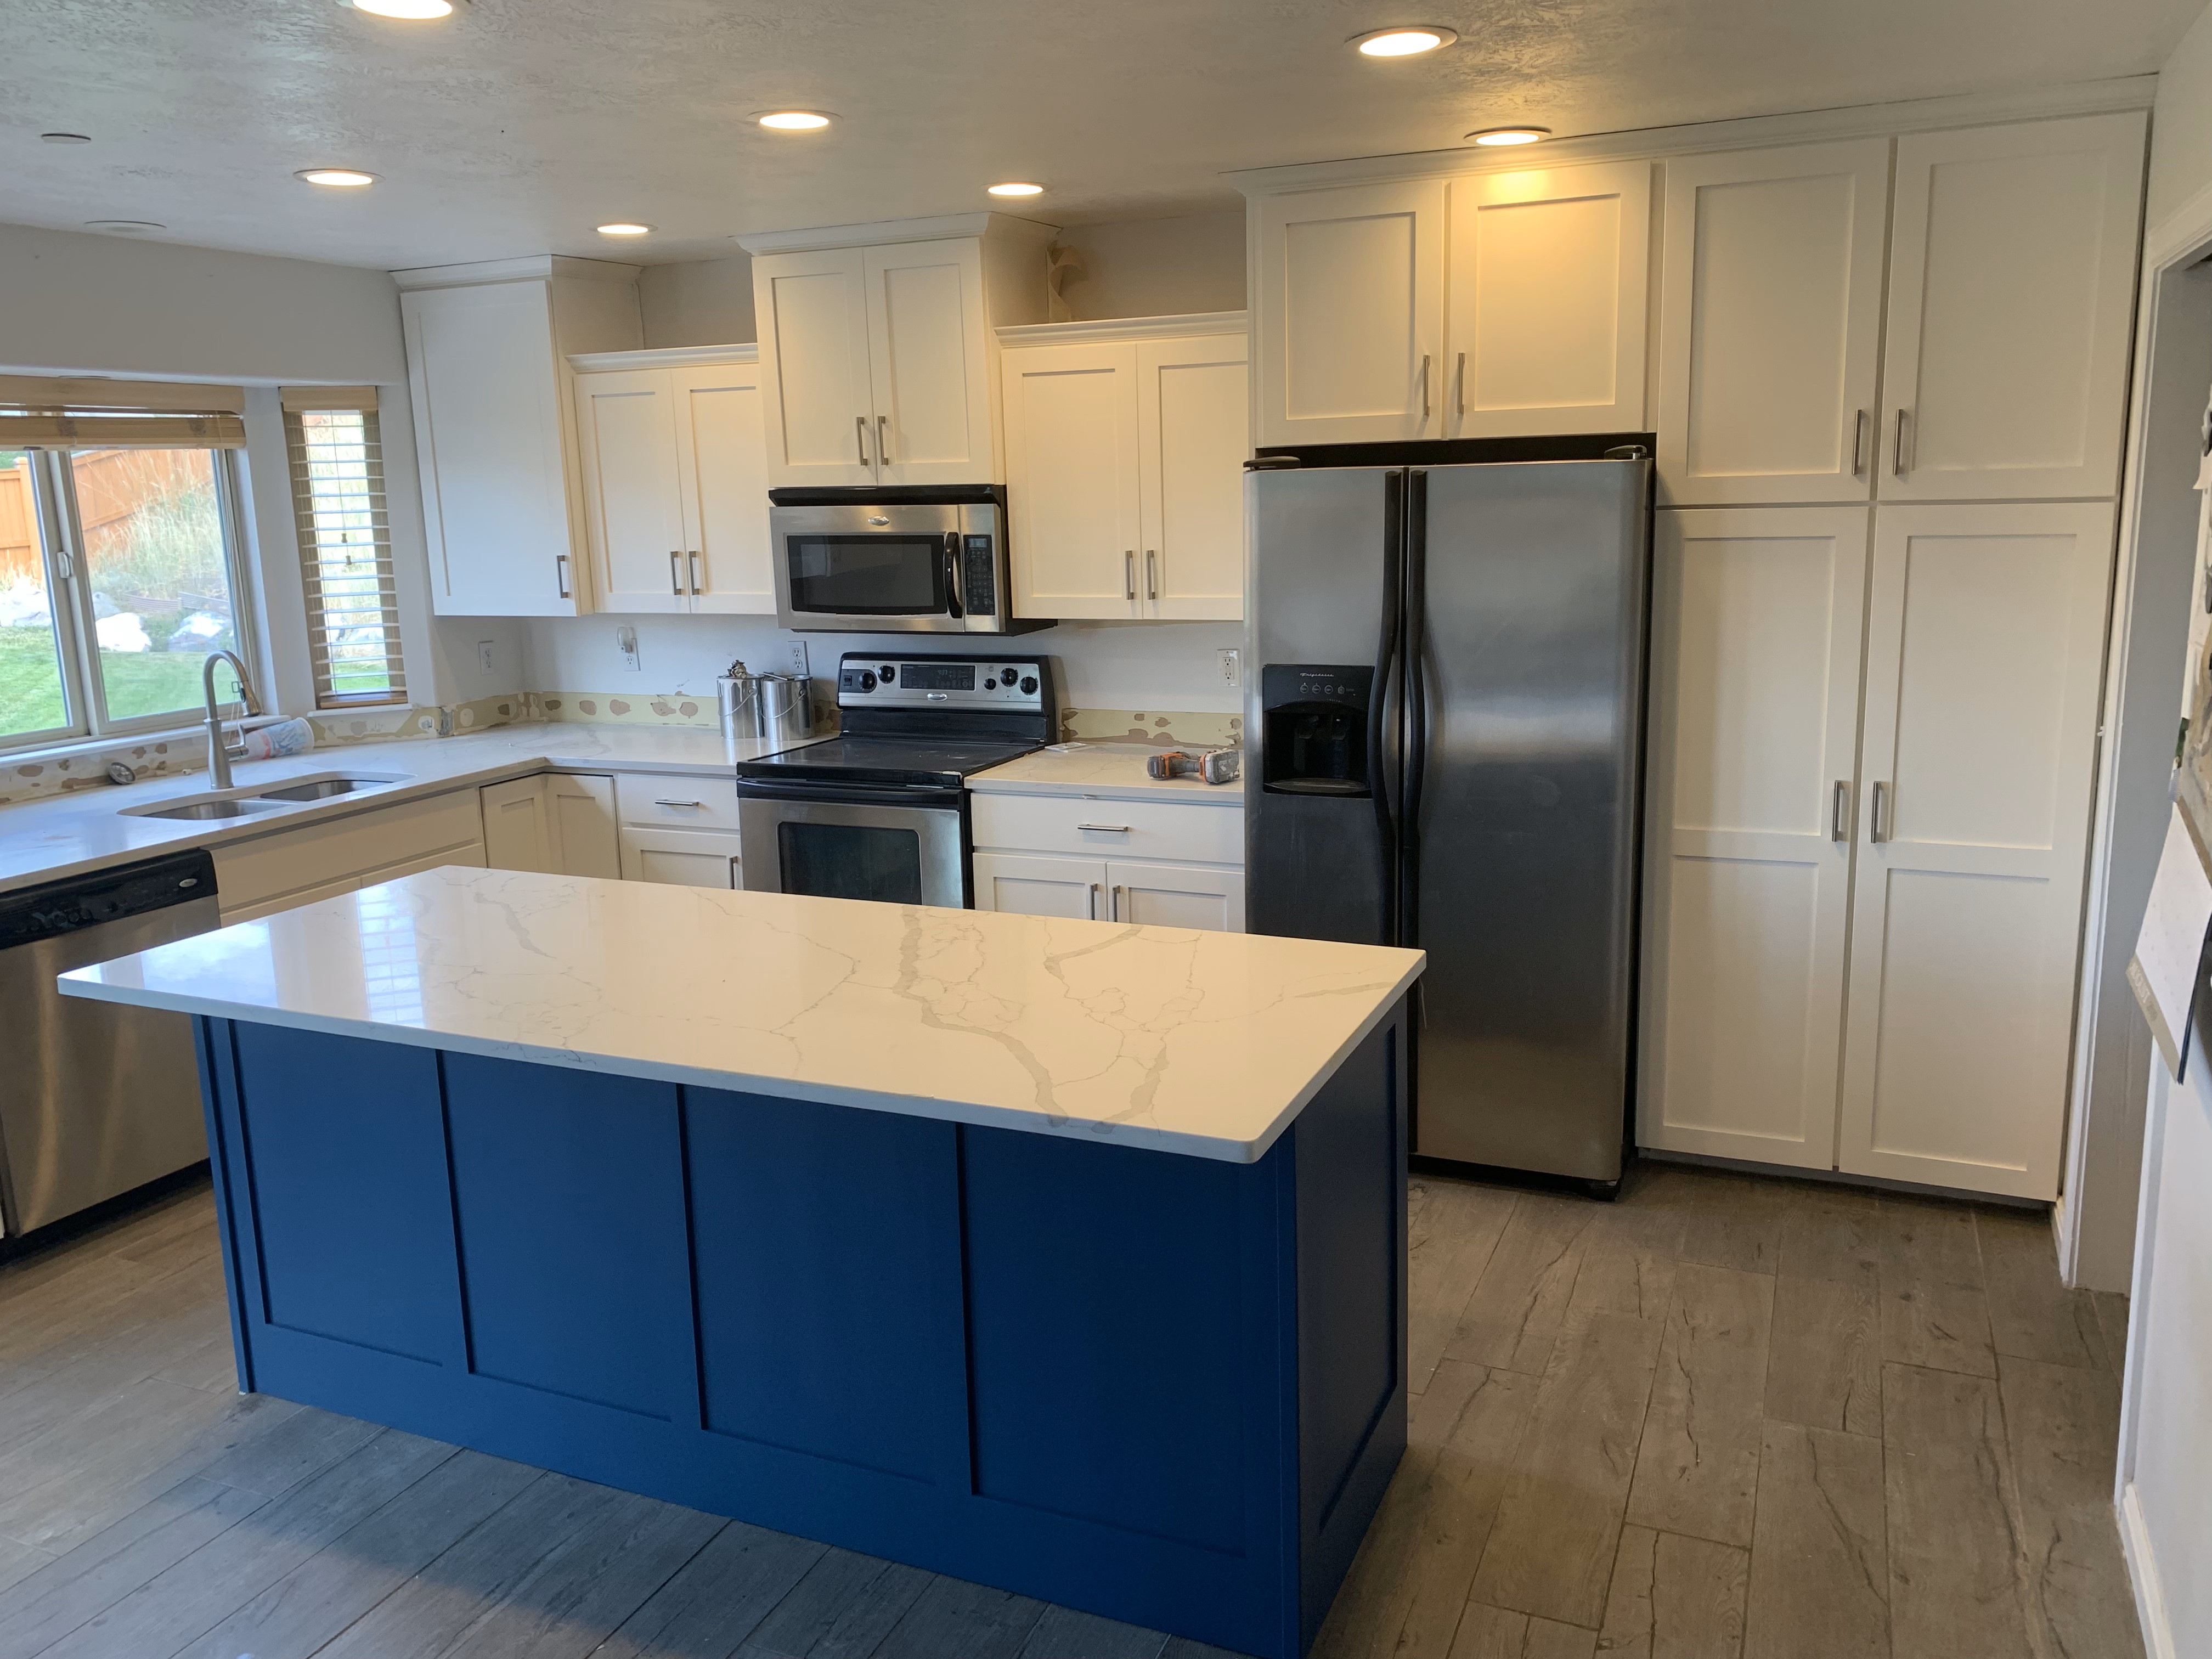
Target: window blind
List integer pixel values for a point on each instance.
(83, 414)
(345, 548)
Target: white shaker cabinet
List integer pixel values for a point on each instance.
(1544, 315)
(557, 823)
(1041, 885)
(1984, 653)
(675, 480)
(680, 858)
(1164, 862)
(2011, 289)
(495, 432)
(1349, 287)
(878, 358)
(1771, 323)
(1125, 451)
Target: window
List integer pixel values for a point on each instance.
(119, 570)
(345, 545)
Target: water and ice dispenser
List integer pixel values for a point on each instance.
(1314, 724)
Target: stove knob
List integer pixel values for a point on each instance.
(867, 681)
(1028, 685)
(887, 674)
(1006, 679)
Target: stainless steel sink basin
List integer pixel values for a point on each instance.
(323, 788)
(207, 809)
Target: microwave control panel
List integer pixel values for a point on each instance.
(979, 585)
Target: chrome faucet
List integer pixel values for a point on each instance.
(220, 753)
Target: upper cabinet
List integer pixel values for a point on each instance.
(675, 480)
(495, 433)
(1544, 301)
(1349, 291)
(1125, 450)
(1770, 327)
(878, 358)
(2011, 285)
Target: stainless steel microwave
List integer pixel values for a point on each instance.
(900, 559)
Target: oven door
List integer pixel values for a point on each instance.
(840, 849)
(869, 567)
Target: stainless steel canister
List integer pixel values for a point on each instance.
(738, 695)
(785, 716)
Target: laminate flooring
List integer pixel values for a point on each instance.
(1724, 1418)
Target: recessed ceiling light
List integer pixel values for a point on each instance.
(625, 230)
(1510, 135)
(337, 177)
(124, 227)
(792, 120)
(1016, 190)
(63, 138)
(413, 11)
(1408, 40)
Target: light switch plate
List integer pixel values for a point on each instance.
(626, 643)
(1232, 667)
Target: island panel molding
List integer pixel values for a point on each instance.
(1169, 1390)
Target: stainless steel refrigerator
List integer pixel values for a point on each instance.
(1446, 718)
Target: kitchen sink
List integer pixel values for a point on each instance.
(324, 788)
(205, 809)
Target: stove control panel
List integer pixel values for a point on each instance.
(889, 681)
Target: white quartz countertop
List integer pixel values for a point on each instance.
(1201, 1043)
(85, 830)
(1103, 771)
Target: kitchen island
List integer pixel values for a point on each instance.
(1063, 1256)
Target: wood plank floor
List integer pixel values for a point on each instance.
(1724, 1418)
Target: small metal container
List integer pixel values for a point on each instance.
(784, 704)
(737, 695)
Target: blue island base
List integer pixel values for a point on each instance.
(1166, 1389)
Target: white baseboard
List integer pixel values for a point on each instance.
(2143, 1573)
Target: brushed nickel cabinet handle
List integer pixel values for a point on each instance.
(1094, 902)
(1459, 385)
(1878, 826)
(1424, 385)
(1106, 828)
(1897, 464)
(1129, 574)
(701, 804)
(1839, 815)
(1858, 443)
(560, 575)
(882, 441)
(694, 558)
(860, 437)
(1152, 574)
(676, 574)
(1116, 901)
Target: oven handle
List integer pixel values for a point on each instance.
(853, 794)
(952, 573)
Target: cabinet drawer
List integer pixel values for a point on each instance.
(676, 803)
(1110, 828)
(249, 872)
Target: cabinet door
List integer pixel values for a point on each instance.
(1984, 651)
(1545, 320)
(1038, 884)
(482, 374)
(1769, 324)
(1349, 317)
(1757, 617)
(2012, 282)
(1176, 896)
(929, 351)
(721, 463)
(680, 858)
(581, 813)
(1194, 435)
(626, 430)
(1072, 479)
(812, 314)
(518, 829)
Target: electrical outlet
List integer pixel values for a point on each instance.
(483, 656)
(1232, 667)
(626, 643)
(795, 655)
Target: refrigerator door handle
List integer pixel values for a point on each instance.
(1380, 763)
(1417, 713)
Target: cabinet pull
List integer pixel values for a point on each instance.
(680, 803)
(1106, 828)
(560, 575)
(860, 437)
(1897, 458)
(1129, 574)
(1839, 815)
(1151, 573)
(1116, 901)
(1878, 820)
(1094, 901)
(676, 574)
(694, 558)
(1424, 385)
(1858, 443)
(1458, 386)
(882, 441)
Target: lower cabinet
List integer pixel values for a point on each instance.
(679, 858)
(1050, 856)
(559, 823)
(273, 873)
(1206, 897)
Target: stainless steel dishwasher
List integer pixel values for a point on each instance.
(94, 1099)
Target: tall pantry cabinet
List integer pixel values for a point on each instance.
(1884, 548)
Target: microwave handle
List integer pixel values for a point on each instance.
(952, 575)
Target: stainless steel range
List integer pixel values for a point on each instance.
(880, 812)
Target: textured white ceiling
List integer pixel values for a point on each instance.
(520, 125)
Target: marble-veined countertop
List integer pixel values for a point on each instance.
(1100, 771)
(1202, 1043)
(86, 828)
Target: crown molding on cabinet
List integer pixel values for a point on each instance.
(1126, 328)
(2122, 93)
(937, 229)
(537, 267)
(589, 363)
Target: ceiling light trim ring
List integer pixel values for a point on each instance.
(1403, 41)
(332, 177)
(1520, 132)
(787, 118)
(1014, 187)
